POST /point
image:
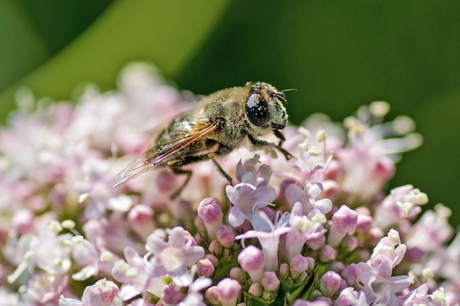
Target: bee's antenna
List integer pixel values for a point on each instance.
(281, 96)
(290, 89)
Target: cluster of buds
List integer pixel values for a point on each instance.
(315, 230)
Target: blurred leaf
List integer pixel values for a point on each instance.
(22, 48)
(167, 33)
(59, 22)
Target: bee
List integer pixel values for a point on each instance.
(214, 127)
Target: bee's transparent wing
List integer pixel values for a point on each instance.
(159, 153)
(134, 169)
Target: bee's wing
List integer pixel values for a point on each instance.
(158, 153)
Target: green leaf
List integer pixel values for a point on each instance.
(21, 46)
(167, 33)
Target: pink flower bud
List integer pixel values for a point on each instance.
(140, 220)
(246, 226)
(330, 283)
(252, 261)
(311, 264)
(301, 278)
(212, 294)
(334, 171)
(238, 274)
(337, 266)
(182, 209)
(349, 274)
(345, 220)
(331, 190)
(343, 285)
(166, 182)
(347, 296)
(210, 211)
(270, 281)
(160, 233)
(23, 221)
(349, 243)
(298, 264)
(226, 235)
(316, 243)
(215, 247)
(327, 254)
(189, 237)
(171, 295)
(199, 224)
(284, 270)
(229, 290)
(382, 168)
(103, 293)
(58, 196)
(256, 289)
(364, 255)
(375, 234)
(414, 255)
(204, 268)
(213, 259)
(364, 224)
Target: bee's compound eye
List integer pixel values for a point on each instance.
(257, 110)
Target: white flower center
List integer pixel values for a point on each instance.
(172, 258)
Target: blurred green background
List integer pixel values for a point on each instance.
(338, 54)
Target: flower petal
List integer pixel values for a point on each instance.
(236, 217)
(193, 254)
(155, 244)
(323, 205)
(385, 268)
(177, 237)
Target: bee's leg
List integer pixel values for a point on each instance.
(219, 168)
(280, 136)
(176, 168)
(264, 143)
(220, 151)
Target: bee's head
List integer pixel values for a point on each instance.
(264, 108)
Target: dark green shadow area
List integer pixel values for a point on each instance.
(59, 22)
(32, 31)
(434, 167)
(167, 33)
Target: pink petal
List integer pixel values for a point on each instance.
(324, 205)
(385, 268)
(177, 237)
(399, 254)
(399, 283)
(265, 194)
(236, 217)
(314, 190)
(193, 254)
(155, 244)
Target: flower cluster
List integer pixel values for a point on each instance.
(315, 230)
